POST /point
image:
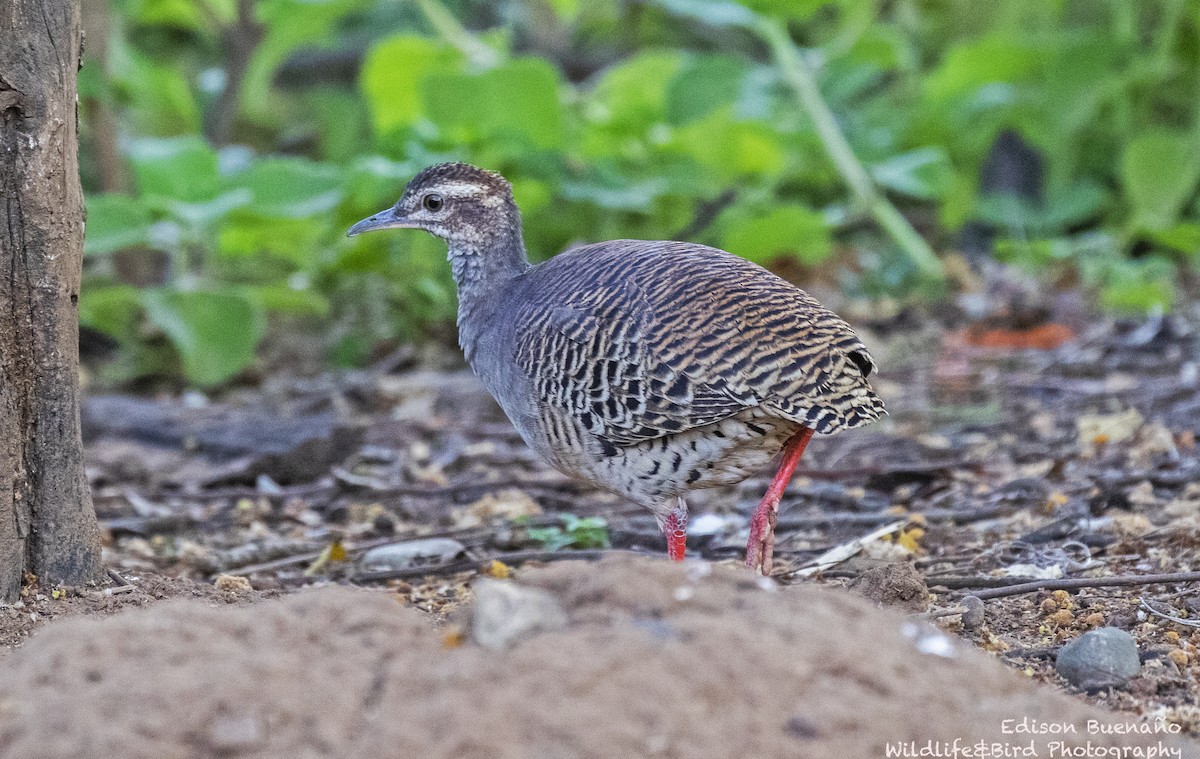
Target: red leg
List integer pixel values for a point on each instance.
(762, 522)
(675, 528)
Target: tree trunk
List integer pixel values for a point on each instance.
(47, 523)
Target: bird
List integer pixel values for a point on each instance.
(647, 368)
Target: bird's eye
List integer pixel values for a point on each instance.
(433, 202)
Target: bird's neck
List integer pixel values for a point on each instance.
(481, 272)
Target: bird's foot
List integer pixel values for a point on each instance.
(675, 528)
(761, 545)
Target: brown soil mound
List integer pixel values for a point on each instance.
(659, 660)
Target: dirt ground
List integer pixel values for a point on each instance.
(658, 660)
(1000, 465)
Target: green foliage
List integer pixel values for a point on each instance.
(780, 232)
(1159, 169)
(614, 120)
(589, 532)
(215, 333)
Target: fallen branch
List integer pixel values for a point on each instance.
(1075, 583)
(958, 582)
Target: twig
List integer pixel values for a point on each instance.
(957, 582)
(453, 491)
(117, 578)
(467, 565)
(838, 554)
(706, 213)
(949, 611)
(1177, 620)
(958, 516)
(462, 534)
(1088, 582)
(309, 556)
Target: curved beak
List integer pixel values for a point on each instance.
(389, 219)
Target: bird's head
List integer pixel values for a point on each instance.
(464, 205)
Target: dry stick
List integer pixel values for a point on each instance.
(1088, 582)
(1177, 620)
(958, 516)
(958, 582)
(468, 565)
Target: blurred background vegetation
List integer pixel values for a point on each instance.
(227, 145)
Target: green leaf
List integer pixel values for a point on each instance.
(1139, 286)
(157, 98)
(1068, 207)
(924, 173)
(519, 99)
(633, 93)
(566, 10)
(290, 188)
(707, 83)
(392, 76)
(214, 333)
(591, 532)
(179, 168)
(172, 14)
(786, 230)
(1184, 237)
(113, 309)
(1159, 170)
(114, 222)
(287, 300)
(207, 212)
(630, 196)
(712, 12)
(970, 65)
(733, 149)
(251, 235)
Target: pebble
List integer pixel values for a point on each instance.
(973, 618)
(232, 735)
(505, 612)
(408, 553)
(1102, 658)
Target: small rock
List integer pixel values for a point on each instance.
(895, 584)
(232, 584)
(973, 618)
(1102, 658)
(505, 611)
(230, 734)
(408, 553)
(711, 524)
(802, 728)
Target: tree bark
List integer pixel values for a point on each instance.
(47, 523)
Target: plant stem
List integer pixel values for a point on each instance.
(444, 22)
(866, 194)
